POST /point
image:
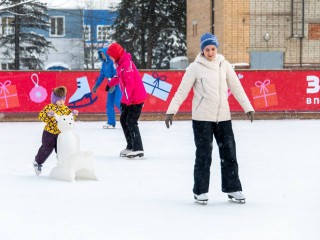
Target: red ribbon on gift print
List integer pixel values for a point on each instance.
(264, 90)
(4, 90)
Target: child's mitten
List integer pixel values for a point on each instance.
(75, 112)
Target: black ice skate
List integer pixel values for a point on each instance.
(201, 199)
(37, 168)
(237, 197)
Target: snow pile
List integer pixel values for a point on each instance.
(180, 62)
(81, 4)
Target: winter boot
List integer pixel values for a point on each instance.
(37, 168)
(202, 198)
(124, 152)
(134, 154)
(237, 197)
(83, 91)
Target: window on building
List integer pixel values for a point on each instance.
(6, 25)
(7, 66)
(103, 32)
(57, 26)
(87, 32)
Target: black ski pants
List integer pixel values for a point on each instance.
(49, 143)
(203, 137)
(129, 122)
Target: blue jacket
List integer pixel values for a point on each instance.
(107, 68)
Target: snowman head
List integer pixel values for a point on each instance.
(65, 122)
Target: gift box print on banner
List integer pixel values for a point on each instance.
(8, 95)
(156, 85)
(264, 94)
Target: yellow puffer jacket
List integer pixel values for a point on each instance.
(51, 123)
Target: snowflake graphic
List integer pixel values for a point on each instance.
(38, 94)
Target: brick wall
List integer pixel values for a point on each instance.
(241, 25)
(198, 22)
(231, 26)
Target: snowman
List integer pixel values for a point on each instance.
(72, 163)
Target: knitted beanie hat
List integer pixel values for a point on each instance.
(59, 93)
(115, 51)
(208, 39)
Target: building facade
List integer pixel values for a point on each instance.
(264, 34)
(6, 28)
(75, 35)
(97, 34)
(66, 35)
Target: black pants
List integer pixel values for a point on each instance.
(129, 122)
(49, 143)
(203, 137)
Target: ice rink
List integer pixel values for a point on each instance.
(151, 198)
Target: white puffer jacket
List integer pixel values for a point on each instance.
(210, 81)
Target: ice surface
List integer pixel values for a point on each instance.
(152, 198)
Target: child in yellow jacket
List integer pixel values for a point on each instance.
(51, 131)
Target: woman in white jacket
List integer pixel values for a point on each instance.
(210, 76)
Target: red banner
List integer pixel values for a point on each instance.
(283, 90)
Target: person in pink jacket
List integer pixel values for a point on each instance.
(133, 97)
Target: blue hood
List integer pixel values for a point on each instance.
(104, 50)
(107, 67)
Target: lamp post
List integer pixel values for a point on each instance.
(266, 37)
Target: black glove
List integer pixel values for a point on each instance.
(168, 120)
(94, 89)
(107, 88)
(250, 115)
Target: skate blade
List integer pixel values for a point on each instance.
(108, 127)
(74, 103)
(134, 156)
(204, 202)
(232, 199)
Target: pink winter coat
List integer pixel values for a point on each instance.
(132, 88)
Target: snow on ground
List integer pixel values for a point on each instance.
(152, 198)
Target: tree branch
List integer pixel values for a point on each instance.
(15, 5)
